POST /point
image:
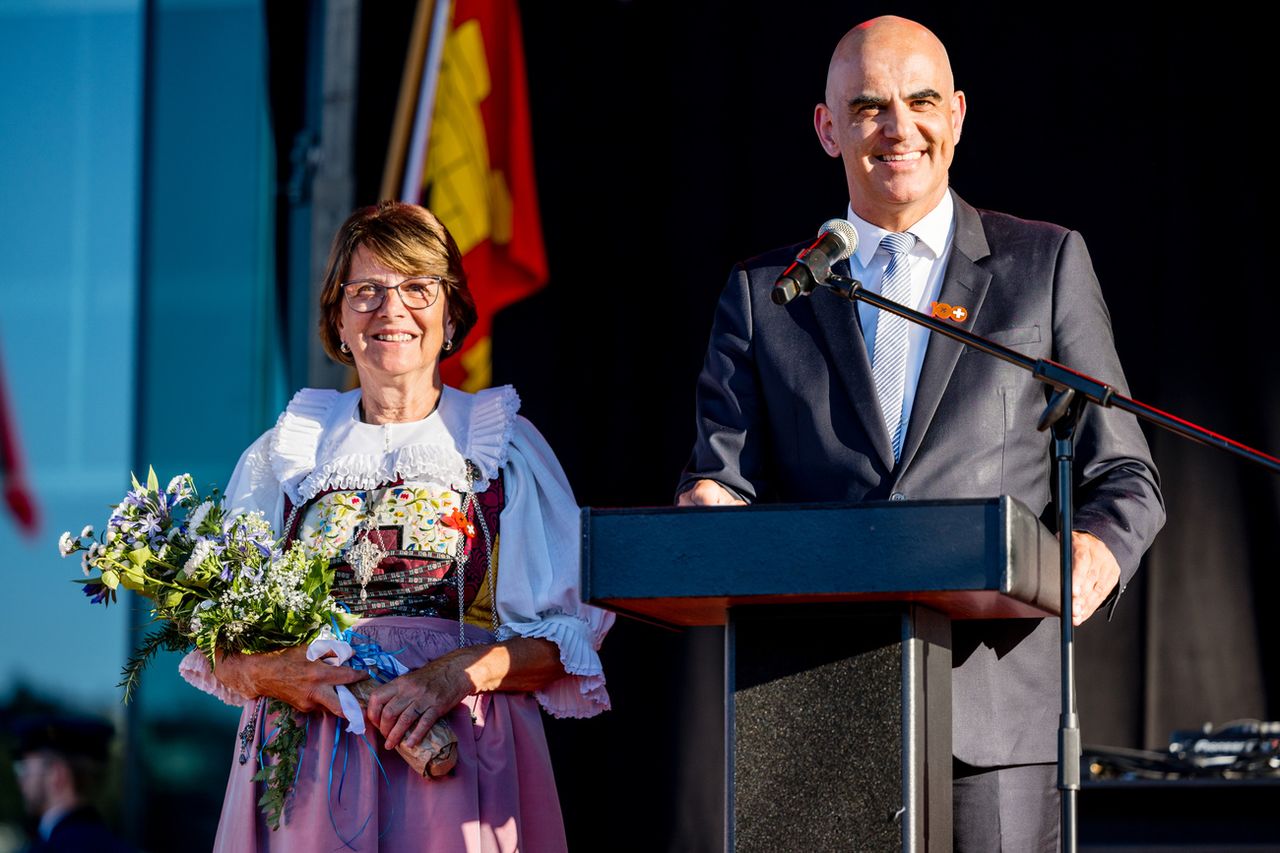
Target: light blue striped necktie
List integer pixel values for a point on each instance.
(889, 360)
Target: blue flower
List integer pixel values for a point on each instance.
(98, 593)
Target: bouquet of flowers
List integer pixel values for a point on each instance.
(220, 582)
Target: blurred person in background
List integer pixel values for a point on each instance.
(59, 763)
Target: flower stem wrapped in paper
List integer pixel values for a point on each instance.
(219, 582)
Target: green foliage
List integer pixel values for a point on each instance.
(167, 637)
(284, 751)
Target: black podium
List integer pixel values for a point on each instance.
(838, 647)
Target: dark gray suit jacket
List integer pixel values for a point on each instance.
(787, 411)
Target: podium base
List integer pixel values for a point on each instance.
(839, 728)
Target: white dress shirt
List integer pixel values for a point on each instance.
(928, 258)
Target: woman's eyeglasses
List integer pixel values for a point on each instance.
(416, 293)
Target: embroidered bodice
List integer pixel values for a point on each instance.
(424, 530)
(321, 458)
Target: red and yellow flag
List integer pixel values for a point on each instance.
(477, 172)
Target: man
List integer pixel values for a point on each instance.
(827, 401)
(58, 762)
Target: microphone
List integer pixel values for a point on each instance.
(837, 240)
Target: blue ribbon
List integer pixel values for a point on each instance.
(370, 657)
(263, 737)
(302, 749)
(262, 733)
(346, 752)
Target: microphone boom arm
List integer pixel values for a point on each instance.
(1052, 373)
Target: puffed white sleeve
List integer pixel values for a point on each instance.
(538, 575)
(253, 486)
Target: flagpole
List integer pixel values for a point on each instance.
(410, 78)
(411, 187)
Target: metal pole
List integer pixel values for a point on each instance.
(1069, 722)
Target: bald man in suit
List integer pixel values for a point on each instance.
(792, 406)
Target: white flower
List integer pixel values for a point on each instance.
(198, 515)
(86, 562)
(199, 554)
(66, 545)
(87, 533)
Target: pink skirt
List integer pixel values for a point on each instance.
(501, 796)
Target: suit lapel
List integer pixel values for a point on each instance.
(965, 283)
(838, 320)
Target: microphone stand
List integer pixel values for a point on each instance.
(1073, 391)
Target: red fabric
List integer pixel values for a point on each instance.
(500, 274)
(17, 495)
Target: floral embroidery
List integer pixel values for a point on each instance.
(411, 580)
(417, 511)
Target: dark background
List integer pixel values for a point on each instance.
(672, 139)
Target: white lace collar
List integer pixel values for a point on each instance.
(320, 443)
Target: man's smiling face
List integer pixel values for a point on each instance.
(894, 117)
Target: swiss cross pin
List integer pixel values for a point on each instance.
(943, 311)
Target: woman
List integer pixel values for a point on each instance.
(410, 487)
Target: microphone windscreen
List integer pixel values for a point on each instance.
(844, 228)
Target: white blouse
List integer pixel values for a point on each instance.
(320, 443)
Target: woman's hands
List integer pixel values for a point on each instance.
(287, 675)
(407, 707)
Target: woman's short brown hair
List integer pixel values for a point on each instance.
(408, 239)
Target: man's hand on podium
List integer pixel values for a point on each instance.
(1094, 573)
(707, 493)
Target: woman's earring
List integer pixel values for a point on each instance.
(446, 346)
(342, 345)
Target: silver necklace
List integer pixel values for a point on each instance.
(365, 554)
(471, 507)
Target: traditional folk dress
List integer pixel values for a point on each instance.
(474, 532)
